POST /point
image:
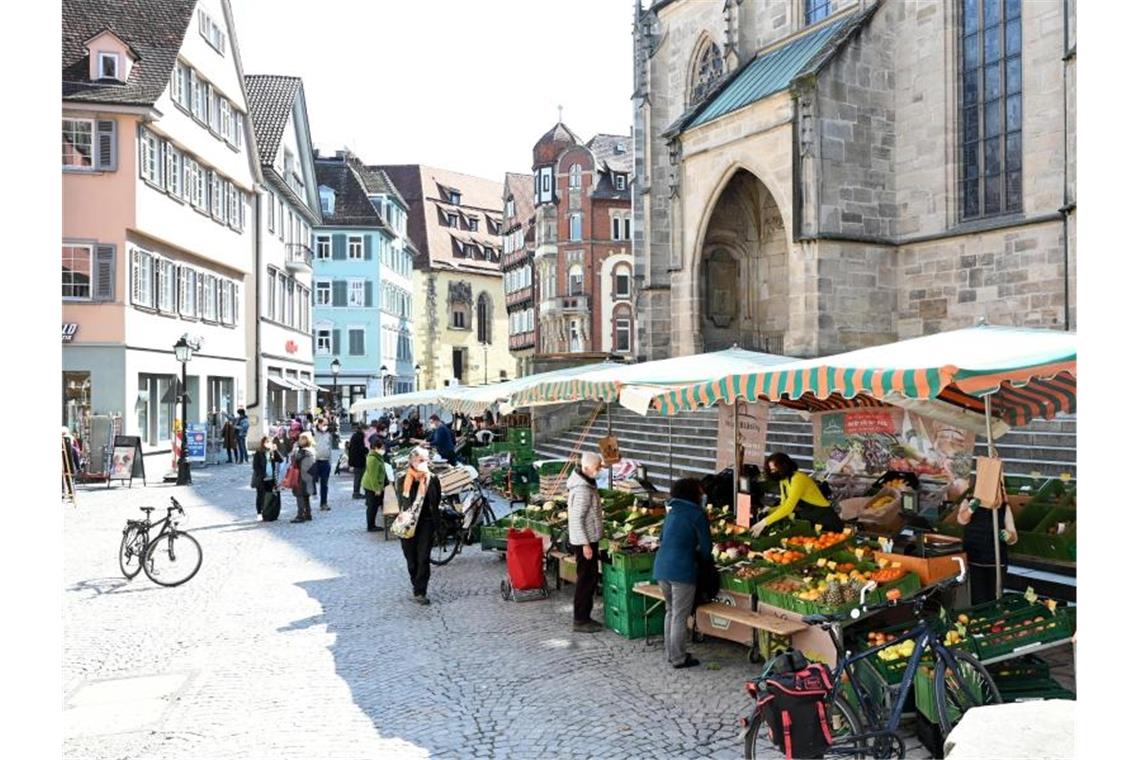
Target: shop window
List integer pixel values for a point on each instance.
(76, 399)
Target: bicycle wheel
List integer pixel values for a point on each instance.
(845, 724)
(173, 558)
(131, 551)
(446, 545)
(954, 694)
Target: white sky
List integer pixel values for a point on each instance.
(467, 85)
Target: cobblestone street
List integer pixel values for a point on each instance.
(301, 641)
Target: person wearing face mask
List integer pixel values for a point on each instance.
(800, 497)
(584, 514)
(419, 483)
(685, 540)
(265, 461)
(442, 439)
(323, 452)
(302, 456)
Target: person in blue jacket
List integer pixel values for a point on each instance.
(684, 538)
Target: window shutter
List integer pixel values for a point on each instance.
(339, 248)
(104, 288)
(136, 278)
(234, 313)
(336, 341)
(106, 155)
(368, 294)
(367, 247)
(339, 293)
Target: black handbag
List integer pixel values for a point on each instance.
(708, 580)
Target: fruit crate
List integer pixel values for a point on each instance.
(1000, 637)
(492, 537)
(520, 436)
(631, 623)
(623, 579)
(553, 467)
(908, 585)
(924, 701)
(1038, 542)
(633, 562)
(1032, 689)
(1029, 667)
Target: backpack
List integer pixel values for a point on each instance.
(794, 705)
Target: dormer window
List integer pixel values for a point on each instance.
(453, 220)
(473, 224)
(453, 197)
(619, 148)
(619, 181)
(470, 250)
(211, 31)
(328, 200)
(109, 66)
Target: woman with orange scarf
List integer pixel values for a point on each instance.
(420, 484)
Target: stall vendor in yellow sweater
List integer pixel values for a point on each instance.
(799, 494)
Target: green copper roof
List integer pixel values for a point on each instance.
(768, 73)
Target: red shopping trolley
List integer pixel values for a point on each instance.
(526, 567)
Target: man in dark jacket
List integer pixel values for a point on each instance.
(357, 458)
(684, 537)
(442, 440)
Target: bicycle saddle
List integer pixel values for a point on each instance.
(148, 510)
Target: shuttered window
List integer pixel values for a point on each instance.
(186, 292)
(166, 274)
(78, 271)
(142, 279)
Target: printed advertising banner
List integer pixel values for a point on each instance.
(753, 434)
(196, 443)
(870, 442)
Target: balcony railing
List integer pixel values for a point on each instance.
(522, 341)
(298, 257)
(565, 305)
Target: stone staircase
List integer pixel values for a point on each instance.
(1047, 447)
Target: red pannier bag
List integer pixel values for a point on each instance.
(525, 556)
(795, 709)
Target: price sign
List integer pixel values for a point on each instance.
(1066, 477)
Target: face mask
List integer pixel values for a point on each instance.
(422, 467)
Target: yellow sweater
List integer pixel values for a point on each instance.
(799, 487)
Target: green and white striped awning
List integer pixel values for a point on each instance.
(1026, 372)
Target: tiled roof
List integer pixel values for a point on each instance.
(271, 100)
(420, 186)
(352, 207)
(154, 30)
(377, 182)
(615, 151)
(557, 139)
(521, 186)
(770, 72)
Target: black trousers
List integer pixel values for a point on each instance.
(983, 583)
(373, 504)
(417, 549)
(357, 476)
(587, 583)
(264, 487)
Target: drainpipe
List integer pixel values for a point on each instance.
(255, 392)
(1068, 205)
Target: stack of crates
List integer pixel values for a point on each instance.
(625, 610)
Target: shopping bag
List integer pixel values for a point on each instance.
(292, 477)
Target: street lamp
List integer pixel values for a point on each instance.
(334, 368)
(485, 346)
(183, 352)
(418, 370)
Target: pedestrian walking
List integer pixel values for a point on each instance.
(229, 441)
(323, 451)
(584, 513)
(421, 486)
(685, 539)
(357, 459)
(264, 478)
(375, 478)
(242, 434)
(305, 460)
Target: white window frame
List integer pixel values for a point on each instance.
(217, 197)
(166, 290)
(355, 284)
(270, 215)
(150, 165)
(358, 240)
(577, 271)
(575, 181)
(325, 287)
(621, 272)
(623, 324)
(575, 217)
(178, 85)
(324, 247)
(619, 181)
(211, 31)
(91, 144)
(104, 56)
(233, 216)
(90, 272)
(187, 292)
(227, 119)
(142, 278)
(172, 159)
(322, 341)
(227, 310)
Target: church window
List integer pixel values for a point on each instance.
(709, 69)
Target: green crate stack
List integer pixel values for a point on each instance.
(1031, 689)
(1038, 542)
(624, 609)
(1052, 627)
(493, 537)
(520, 437)
(1029, 667)
(632, 562)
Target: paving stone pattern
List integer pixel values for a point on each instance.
(302, 641)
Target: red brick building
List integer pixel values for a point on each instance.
(583, 262)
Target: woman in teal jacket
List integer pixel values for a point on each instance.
(685, 537)
(373, 482)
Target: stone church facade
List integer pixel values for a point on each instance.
(814, 176)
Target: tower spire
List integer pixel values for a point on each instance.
(559, 114)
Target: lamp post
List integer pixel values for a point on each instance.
(418, 370)
(485, 346)
(183, 352)
(334, 368)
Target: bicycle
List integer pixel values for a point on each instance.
(169, 564)
(960, 682)
(461, 515)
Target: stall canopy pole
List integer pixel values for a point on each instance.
(669, 426)
(735, 452)
(997, 532)
(610, 431)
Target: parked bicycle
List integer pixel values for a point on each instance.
(171, 558)
(870, 728)
(461, 516)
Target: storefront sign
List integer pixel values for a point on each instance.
(753, 432)
(69, 330)
(196, 443)
(872, 442)
(290, 347)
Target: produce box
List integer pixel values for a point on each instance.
(890, 663)
(520, 436)
(930, 569)
(632, 562)
(623, 579)
(568, 569)
(1029, 667)
(632, 624)
(552, 466)
(711, 624)
(908, 585)
(999, 628)
(1044, 540)
(492, 537)
(1032, 689)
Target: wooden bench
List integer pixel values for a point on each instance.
(769, 629)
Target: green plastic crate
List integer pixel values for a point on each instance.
(1053, 627)
(633, 562)
(1038, 543)
(1031, 689)
(520, 436)
(909, 585)
(492, 537)
(632, 625)
(1029, 667)
(623, 579)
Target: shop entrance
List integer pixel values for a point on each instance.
(76, 399)
(742, 279)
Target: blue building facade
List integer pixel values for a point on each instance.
(348, 281)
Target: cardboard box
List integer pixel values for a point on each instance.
(568, 570)
(930, 569)
(812, 641)
(718, 627)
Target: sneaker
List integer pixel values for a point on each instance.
(297, 520)
(688, 662)
(421, 599)
(590, 626)
(325, 508)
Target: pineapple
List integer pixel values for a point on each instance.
(833, 597)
